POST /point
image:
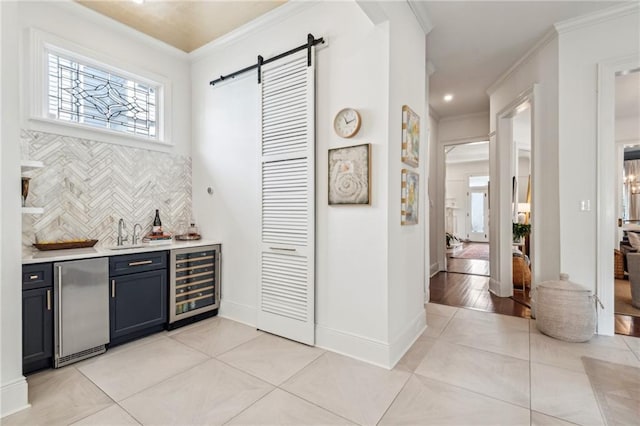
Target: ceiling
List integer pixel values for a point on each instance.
(186, 25)
(473, 42)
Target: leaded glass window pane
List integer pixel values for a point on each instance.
(86, 94)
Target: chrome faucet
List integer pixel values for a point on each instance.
(134, 237)
(121, 227)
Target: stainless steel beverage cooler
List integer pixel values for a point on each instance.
(81, 297)
(195, 282)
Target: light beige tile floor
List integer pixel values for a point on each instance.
(467, 368)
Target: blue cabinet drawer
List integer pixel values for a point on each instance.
(139, 262)
(37, 276)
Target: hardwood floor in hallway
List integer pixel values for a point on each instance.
(472, 291)
(468, 266)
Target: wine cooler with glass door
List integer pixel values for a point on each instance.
(195, 284)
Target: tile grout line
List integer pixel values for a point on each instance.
(249, 406)
(101, 390)
(488, 351)
(319, 406)
(164, 380)
(260, 378)
(304, 399)
(208, 358)
(473, 391)
(593, 391)
(395, 397)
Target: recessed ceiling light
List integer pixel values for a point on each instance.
(448, 98)
(138, 1)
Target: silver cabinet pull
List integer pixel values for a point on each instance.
(60, 310)
(48, 300)
(113, 288)
(142, 262)
(33, 277)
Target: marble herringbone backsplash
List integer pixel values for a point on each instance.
(86, 186)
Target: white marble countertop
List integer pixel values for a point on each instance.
(35, 256)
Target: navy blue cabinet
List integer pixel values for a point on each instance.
(138, 295)
(37, 317)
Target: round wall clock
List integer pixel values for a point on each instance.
(347, 122)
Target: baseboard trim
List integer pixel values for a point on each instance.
(239, 312)
(14, 397)
(407, 338)
(434, 269)
(494, 286)
(354, 346)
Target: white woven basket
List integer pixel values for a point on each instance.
(565, 310)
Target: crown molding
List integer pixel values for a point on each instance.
(597, 17)
(110, 23)
(271, 18)
(430, 68)
(434, 114)
(373, 10)
(465, 116)
(419, 9)
(546, 39)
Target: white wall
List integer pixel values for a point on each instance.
(88, 29)
(581, 49)
(354, 268)
(13, 392)
(540, 66)
(628, 130)
(464, 127)
(351, 242)
(407, 273)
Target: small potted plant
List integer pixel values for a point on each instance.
(452, 240)
(520, 230)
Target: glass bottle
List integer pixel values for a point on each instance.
(157, 224)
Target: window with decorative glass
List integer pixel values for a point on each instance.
(91, 95)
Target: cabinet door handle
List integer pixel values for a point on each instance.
(142, 262)
(60, 333)
(33, 277)
(113, 288)
(48, 300)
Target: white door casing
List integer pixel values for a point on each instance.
(286, 299)
(606, 223)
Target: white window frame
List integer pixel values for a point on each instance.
(35, 89)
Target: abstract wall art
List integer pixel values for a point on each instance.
(349, 175)
(410, 137)
(409, 194)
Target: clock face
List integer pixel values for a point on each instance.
(347, 122)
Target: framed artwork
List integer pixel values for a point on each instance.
(410, 137)
(409, 194)
(350, 175)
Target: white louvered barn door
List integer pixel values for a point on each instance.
(286, 303)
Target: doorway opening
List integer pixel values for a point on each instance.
(627, 262)
(467, 208)
(521, 128)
